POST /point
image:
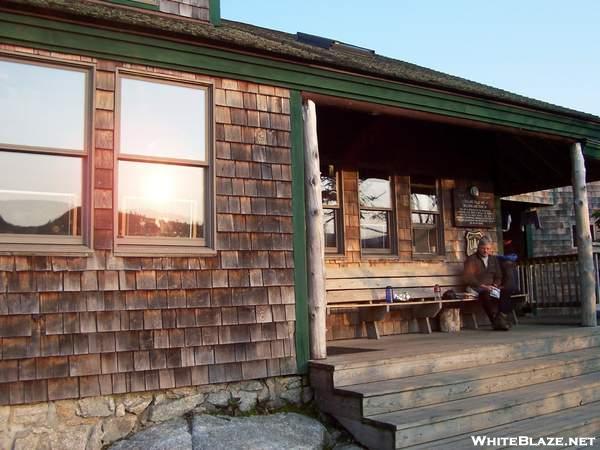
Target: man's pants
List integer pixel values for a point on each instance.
(492, 305)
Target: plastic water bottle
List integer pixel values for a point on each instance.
(437, 292)
(389, 294)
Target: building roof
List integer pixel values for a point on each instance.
(277, 44)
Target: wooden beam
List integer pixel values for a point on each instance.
(585, 257)
(317, 304)
(549, 165)
(398, 111)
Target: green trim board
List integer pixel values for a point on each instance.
(214, 11)
(137, 4)
(67, 37)
(591, 149)
(529, 240)
(499, 231)
(299, 239)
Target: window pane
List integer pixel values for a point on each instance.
(162, 120)
(375, 229)
(424, 198)
(42, 106)
(425, 240)
(330, 228)
(40, 194)
(161, 200)
(429, 219)
(375, 192)
(329, 190)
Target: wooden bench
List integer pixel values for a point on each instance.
(363, 288)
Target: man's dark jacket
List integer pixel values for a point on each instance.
(476, 274)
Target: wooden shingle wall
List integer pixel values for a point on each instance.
(346, 325)
(83, 326)
(196, 9)
(556, 236)
(454, 237)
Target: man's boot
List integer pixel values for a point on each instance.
(500, 322)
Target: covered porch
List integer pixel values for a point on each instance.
(403, 193)
(402, 199)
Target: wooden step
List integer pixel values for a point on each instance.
(580, 421)
(431, 423)
(326, 375)
(356, 401)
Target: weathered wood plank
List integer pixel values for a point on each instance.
(398, 282)
(394, 270)
(395, 306)
(355, 295)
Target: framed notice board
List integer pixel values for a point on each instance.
(474, 211)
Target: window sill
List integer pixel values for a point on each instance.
(45, 250)
(379, 257)
(429, 257)
(335, 256)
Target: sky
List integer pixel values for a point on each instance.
(544, 49)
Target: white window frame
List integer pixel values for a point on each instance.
(391, 214)
(338, 217)
(439, 225)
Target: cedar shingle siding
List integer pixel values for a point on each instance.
(557, 221)
(196, 9)
(82, 326)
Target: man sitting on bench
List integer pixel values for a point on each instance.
(483, 274)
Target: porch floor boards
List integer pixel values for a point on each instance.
(435, 391)
(413, 344)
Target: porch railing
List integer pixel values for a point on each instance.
(552, 281)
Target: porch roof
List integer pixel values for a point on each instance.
(279, 44)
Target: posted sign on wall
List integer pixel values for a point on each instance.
(471, 211)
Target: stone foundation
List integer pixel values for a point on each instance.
(91, 423)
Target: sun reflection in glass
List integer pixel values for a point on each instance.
(160, 200)
(157, 184)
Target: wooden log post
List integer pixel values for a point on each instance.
(317, 303)
(450, 320)
(585, 257)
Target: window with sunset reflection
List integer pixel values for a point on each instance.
(43, 153)
(163, 168)
(155, 200)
